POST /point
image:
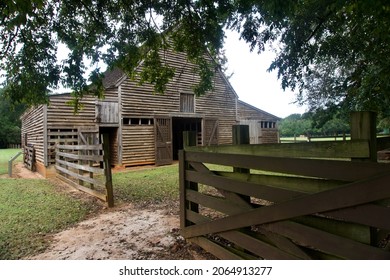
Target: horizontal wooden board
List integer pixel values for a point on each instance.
(328, 149)
(86, 168)
(326, 242)
(80, 177)
(329, 169)
(96, 147)
(97, 194)
(80, 157)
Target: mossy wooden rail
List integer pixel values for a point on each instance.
(306, 201)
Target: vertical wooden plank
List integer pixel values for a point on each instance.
(182, 186)
(241, 137)
(363, 127)
(120, 128)
(107, 170)
(45, 145)
(189, 139)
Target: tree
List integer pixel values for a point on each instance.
(9, 122)
(295, 124)
(348, 41)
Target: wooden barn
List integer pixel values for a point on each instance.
(144, 128)
(263, 126)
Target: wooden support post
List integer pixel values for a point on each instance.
(241, 137)
(107, 170)
(363, 127)
(10, 163)
(189, 139)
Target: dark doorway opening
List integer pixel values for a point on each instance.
(113, 135)
(184, 124)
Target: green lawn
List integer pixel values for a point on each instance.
(5, 156)
(31, 209)
(156, 185)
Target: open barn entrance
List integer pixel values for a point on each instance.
(113, 138)
(179, 125)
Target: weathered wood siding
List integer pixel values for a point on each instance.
(60, 113)
(139, 101)
(32, 128)
(138, 147)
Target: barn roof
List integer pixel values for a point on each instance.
(113, 77)
(242, 103)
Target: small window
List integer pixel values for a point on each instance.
(137, 121)
(187, 102)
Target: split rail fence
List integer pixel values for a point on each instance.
(326, 200)
(80, 166)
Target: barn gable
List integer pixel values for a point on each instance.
(152, 124)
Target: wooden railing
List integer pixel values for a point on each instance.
(79, 166)
(320, 200)
(284, 208)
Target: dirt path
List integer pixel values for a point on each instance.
(19, 171)
(123, 232)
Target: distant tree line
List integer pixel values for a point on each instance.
(310, 124)
(9, 122)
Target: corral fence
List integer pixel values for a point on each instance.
(29, 157)
(87, 168)
(320, 200)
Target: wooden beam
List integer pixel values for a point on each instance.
(326, 149)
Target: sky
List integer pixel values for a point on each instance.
(252, 82)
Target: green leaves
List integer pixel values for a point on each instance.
(350, 37)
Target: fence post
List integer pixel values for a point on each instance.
(189, 139)
(107, 170)
(363, 127)
(10, 163)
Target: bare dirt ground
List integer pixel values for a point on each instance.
(125, 232)
(136, 232)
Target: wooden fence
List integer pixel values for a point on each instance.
(29, 157)
(80, 166)
(286, 201)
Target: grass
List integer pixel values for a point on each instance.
(147, 185)
(31, 209)
(5, 155)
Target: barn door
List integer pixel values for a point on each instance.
(210, 132)
(163, 138)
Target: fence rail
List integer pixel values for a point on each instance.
(79, 166)
(324, 200)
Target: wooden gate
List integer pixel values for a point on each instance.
(320, 200)
(80, 166)
(163, 138)
(285, 207)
